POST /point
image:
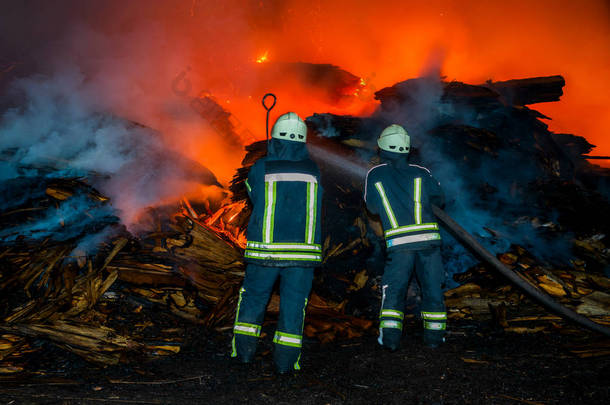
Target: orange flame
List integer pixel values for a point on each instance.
(221, 221)
(217, 52)
(380, 43)
(262, 58)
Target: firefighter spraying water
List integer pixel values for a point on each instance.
(402, 195)
(283, 241)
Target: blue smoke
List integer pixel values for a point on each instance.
(57, 129)
(76, 216)
(489, 192)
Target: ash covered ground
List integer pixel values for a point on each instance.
(477, 365)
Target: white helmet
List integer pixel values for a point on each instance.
(394, 139)
(289, 127)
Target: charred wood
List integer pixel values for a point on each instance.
(530, 91)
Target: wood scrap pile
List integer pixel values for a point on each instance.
(45, 296)
(134, 298)
(52, 291)
(484, 295)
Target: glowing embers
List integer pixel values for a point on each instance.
(263, 58)
(361, 89)
(223, 221)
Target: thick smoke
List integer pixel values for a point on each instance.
(82, 74)
(484, 192)
(61, 125)
(505, 216)
(92, 110)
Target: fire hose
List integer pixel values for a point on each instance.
(471, 243)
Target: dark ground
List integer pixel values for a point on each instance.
(476, 366)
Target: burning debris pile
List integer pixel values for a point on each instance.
(53, 290)
(506, 177)
(509, 181)
(137, 297)
(527, 194)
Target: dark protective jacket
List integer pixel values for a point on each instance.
(284, 228)
(402, 195)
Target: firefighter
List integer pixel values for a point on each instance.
(402, 195)
(283, 241)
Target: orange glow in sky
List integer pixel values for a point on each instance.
(220, 47)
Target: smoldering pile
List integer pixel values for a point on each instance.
(526, 193)
(137, 297)
(523, 191)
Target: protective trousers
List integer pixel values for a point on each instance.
(295, 285)
(395, 281)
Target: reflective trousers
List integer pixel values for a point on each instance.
(399, 268)
(295, 285)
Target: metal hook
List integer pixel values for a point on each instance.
(268, 111)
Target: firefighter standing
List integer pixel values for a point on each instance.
(283, 240)
(402, 195)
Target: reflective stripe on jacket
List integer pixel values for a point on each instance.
(401, 196)
(284, 228)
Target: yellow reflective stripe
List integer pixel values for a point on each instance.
(312, 199)
(268, 218)
(386, 205)
(434, 315)
(424, 237)
(309, 178)
(248, 329)
(233, 348)
(287, 339)
(283, 255)
(271, 180)
(432, 226)
(435, 325)
(297, 366)
(390, 324)
(283, 246)
(417, 199)
(392, 313)
(248, 186)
